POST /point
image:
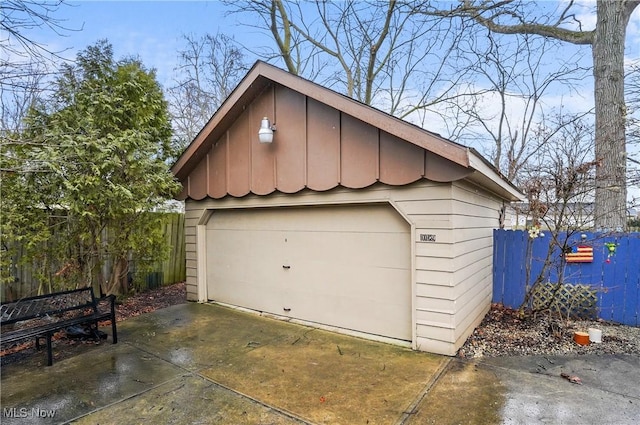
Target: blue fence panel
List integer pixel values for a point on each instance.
(616, 277)
(609, 290)
(616, 281)
(499, 243)
(629, 252)
(515, 276)
(540, 247)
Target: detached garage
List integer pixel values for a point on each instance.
(347, 218)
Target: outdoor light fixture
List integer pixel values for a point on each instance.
(265, 134)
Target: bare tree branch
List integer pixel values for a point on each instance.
(607, 41)
(209, 69)
(373, 51)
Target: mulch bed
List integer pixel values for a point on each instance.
(149, 301)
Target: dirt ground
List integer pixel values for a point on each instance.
(149, 301)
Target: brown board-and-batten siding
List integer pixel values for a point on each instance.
(314, 147)
(445, 292)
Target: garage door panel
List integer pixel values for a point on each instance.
(342, 248)
(235, 278)
(347, 267)
(374, 318)
(367, 219)
(377, 309)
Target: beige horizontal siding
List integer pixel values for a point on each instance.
(468, 319)
(190, 227)
(453, 275)
(193, 212)
(460, 222)
(433, 345)
(434, 332)
(432, 221)
(436, 318)
(474, 259)
(442, 207)
(435, 264)
(466, 239)
(475, 268)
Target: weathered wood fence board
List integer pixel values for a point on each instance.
(616, 278)
(170, 271)
(173, 269)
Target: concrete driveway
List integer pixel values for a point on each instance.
(207, 364)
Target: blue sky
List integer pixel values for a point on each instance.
(151, 30)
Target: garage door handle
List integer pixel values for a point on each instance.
(286, 267)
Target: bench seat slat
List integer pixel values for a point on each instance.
(27, 333)
(53, 312)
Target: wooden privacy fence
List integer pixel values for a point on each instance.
(172, 270)
(611, 280)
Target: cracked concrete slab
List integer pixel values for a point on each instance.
(188, 399)
(208, 364)
(536, 393)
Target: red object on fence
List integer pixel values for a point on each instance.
(583, 254)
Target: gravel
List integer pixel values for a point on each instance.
(503, 333)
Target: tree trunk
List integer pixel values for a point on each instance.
(118, 284)
(608, 71)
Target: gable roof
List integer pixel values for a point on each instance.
(466, 162)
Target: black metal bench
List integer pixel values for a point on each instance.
(44, 315)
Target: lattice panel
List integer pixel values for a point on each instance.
(569, 300)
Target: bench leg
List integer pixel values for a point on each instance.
(114, 332)
(49, 350)
(37, 343)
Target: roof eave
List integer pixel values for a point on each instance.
(487, 176)
(248, 88)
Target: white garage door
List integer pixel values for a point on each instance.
(343, 266)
